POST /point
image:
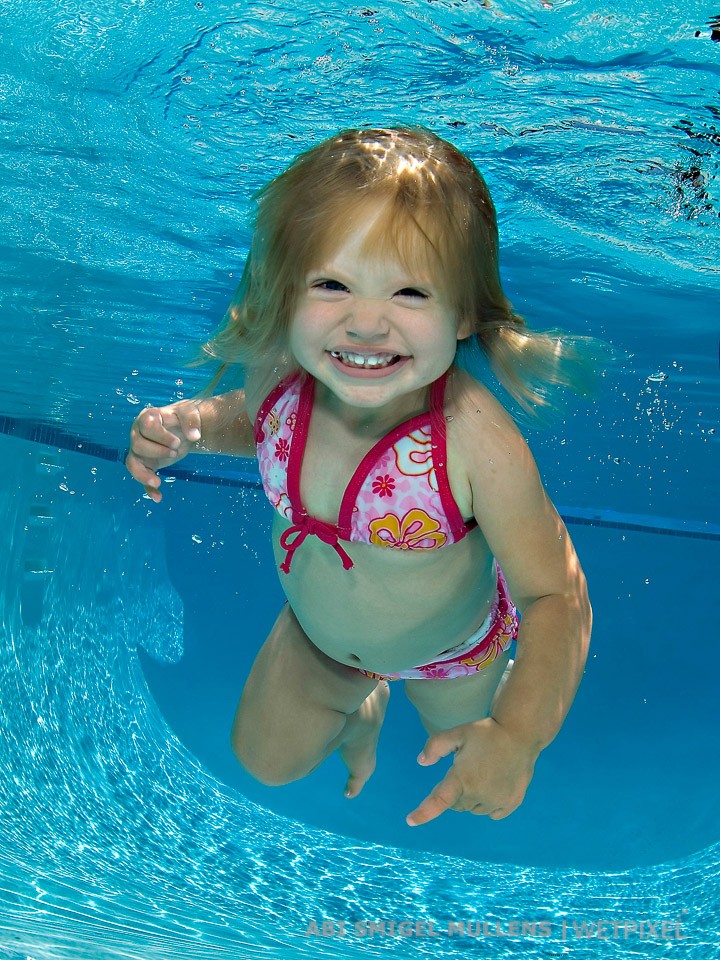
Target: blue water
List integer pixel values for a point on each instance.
(133, 136)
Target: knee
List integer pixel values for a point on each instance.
(257, 761)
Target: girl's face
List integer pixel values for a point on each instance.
(374, 334)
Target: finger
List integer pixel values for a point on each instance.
(141, 472)
(154, 494)
(479, 810)
(148, 449)
(438, 746)
(501, 812)
(155, 424)
(445, 795)
(188, 415)
(145, 476)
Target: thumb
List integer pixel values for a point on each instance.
(437, 746)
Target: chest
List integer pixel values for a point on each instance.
(332, 458)
(394, 488)
(343, 471)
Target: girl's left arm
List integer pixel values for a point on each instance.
(547, 584)
(495, 758)
(531, 544)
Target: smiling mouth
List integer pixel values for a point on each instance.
(372, 362)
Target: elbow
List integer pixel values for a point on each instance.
(585, 605)
(584, 612)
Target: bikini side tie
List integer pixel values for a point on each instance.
(308, 526)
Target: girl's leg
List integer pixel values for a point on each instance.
(443, 704)
(299, 705)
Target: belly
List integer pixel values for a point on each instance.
(394, 609)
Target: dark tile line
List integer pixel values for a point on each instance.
(641, 528)
(52, 435)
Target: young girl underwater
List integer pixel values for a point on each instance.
(408, 508)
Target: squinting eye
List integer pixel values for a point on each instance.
(411, 292)
(333, 286)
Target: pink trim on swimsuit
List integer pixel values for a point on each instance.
(399, 496)
(495, 635)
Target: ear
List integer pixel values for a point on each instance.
(465, 328)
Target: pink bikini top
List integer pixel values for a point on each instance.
(399, 496)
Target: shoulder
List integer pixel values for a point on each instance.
(479, 422)
(498, 469)
(509, 502)
(261, 380)
(490, 467)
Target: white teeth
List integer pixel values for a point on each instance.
(358, 360)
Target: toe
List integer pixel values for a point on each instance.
(355, 783)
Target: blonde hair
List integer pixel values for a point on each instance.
(436, 215)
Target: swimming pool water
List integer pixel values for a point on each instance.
(133, 138)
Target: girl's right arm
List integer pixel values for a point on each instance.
(161, 436)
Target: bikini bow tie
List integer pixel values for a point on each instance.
(305, 526)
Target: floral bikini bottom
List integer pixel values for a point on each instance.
(497, 632)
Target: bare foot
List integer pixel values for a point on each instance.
(362, 731)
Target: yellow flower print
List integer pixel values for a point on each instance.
(406, 533)
(492, 652)
(273, 422)
(414, 456)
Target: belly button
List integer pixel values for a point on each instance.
(354, 658)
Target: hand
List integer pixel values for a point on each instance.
(161, 436)
(489, 776)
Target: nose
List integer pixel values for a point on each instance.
(367, 319)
